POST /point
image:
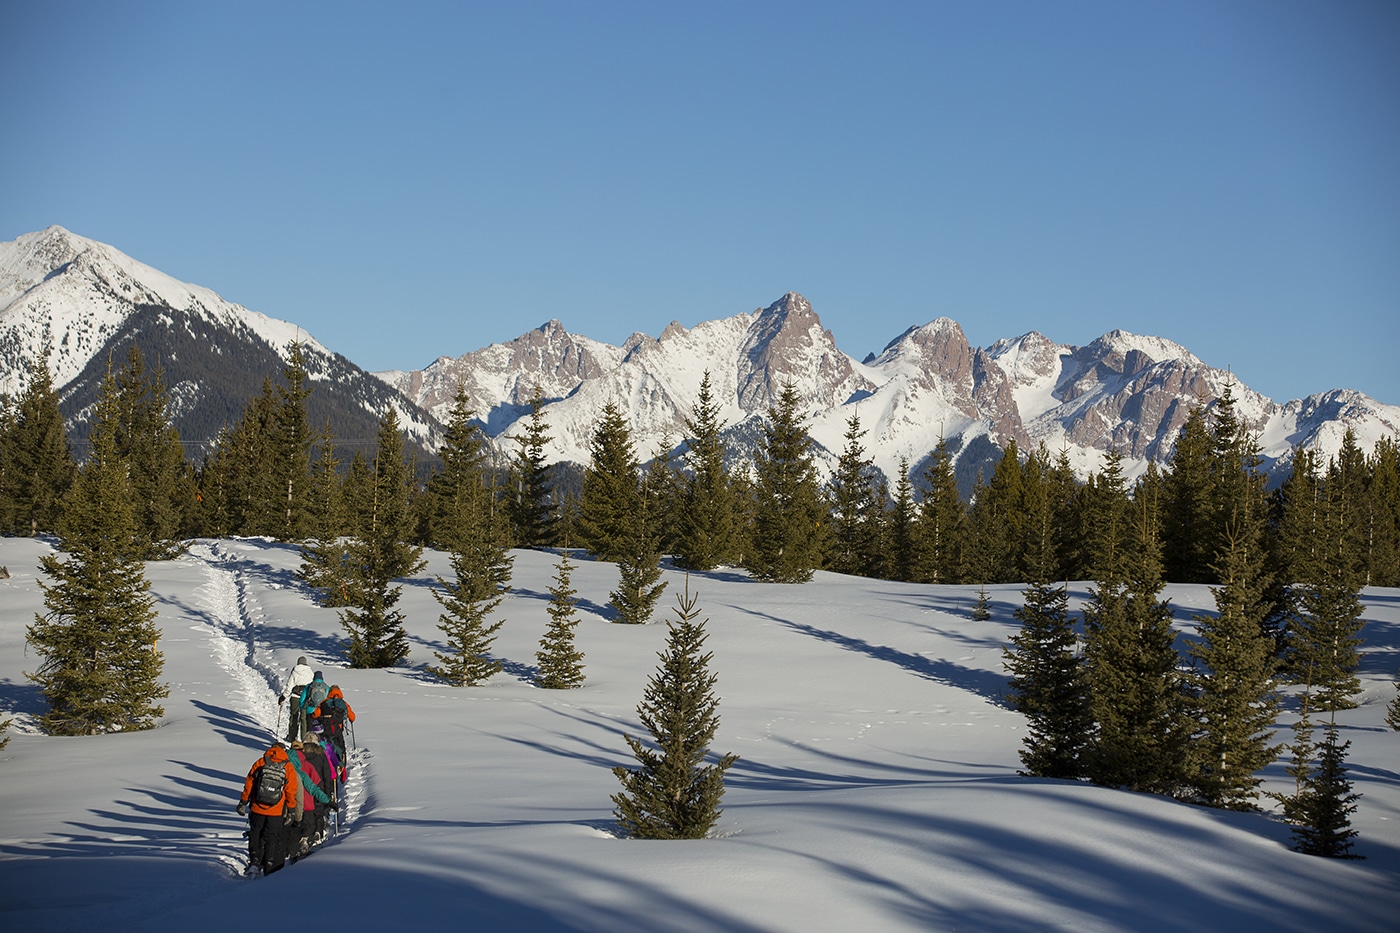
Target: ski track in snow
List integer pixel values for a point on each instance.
(235, 615)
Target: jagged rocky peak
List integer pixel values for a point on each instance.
(787, 343)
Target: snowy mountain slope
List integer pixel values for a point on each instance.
(75, 302)
(876, 789)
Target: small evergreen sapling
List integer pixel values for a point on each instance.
(671, 795)
(1392, 711)
(560, 664)
(1323, 808)
(982, 609)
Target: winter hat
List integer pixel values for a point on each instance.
(318, 676)
(301, 660)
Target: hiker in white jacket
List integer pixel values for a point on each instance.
(298, 677)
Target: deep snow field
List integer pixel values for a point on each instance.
(876, 789)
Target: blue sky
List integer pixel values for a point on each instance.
(410, 180)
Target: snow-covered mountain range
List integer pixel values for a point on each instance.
(1122, 391)
(77, 301)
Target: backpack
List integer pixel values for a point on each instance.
(314, 695)
(333, 713)
(270, 784)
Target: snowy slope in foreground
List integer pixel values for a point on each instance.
(877, 788)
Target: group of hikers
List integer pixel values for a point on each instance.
(293, 790)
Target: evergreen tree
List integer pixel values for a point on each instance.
(612, 493)
(639, 569)
(560, 663)
(1048, 685)
(672, 795)
(1188, 533)
(531, 512)
(289, 448)
(1392, 710)
(901, 521)
(1383, 514)
(787, 534)
(942, 526)
(707, 526)
(982, 609)
(482, 569)
(36, 461)
(996, 533)
(662, 490)
(852, 544)
(1325, 636)
(323, 553)
(379, 555)
(462, 476)
(1136, 693)
(1323, 811)
(147, 440)
(101, 667)
(4, 728)
(1235, 699)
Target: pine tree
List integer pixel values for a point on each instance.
(787, 532)
(902, 524)
(611, 488)
(463, 457)
(1188, 533)
(379, 555)
(982, 609)
(5, 728)
(942, 527)
(531, 512)
(1392, 710)
(36, 461)
(1048, 685)
(1325, 635)
(1323, 809)
(323, 553)
(853, 539)
(672, 795)
(101, 667)
(707, 529)
(289, 448)
(1136, 693)
(147, 440)
(662, 492)
(639, 569)
(560, 663)
(1383, 514)
(1236, 703)
(481, 568)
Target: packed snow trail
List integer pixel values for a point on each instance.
(234, 614)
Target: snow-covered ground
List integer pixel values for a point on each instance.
(877, 788)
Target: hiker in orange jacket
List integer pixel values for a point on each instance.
(271, 791)
(333, 713)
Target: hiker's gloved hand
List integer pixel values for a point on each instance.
(287, 819)
(242, 808)
(281, 700)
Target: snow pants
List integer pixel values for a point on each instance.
(267, 842)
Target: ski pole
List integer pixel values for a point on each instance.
(277, 733)
(353, 743)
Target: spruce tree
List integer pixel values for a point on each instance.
(982, 609)
(1047, 684)
(1136, 692)
(1383, 514)
(560, 663)
(101, 668)
(942, 527)
(463, 457)
(672, 794)
(289, 449)
(662, 492)
(1392, 710)
(708, 527)
(853, 540)
(639, 569)
(1188, 532)
(612, 493)
(1325, 635)
(323, 553)
(380, 554)
(787, 532)
(481, 568)
(1236, 703)
(36, 461)
(529, 506)
(901, 520)
(150, 444)
(1323, 810)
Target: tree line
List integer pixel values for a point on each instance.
(1116, 706)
